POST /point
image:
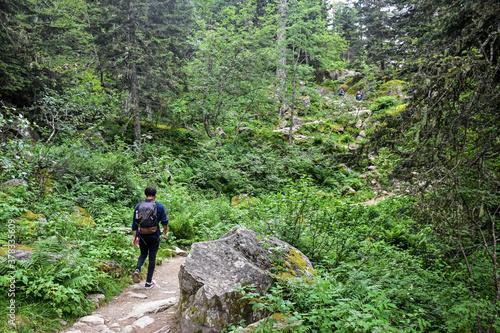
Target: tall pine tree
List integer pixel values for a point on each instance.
(378, 33)
(142, 44)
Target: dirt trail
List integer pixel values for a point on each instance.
(137, 310)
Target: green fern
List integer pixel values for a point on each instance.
(4, 237)
(396, 235)
(50, 244)
(20, 264)
(42, 261)
(4, 268)
(83, 282)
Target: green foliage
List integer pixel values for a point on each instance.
(15, 161)
(12, 204)
(365, 283)
(62, 283)
(237, 169)
(238, 54)
(383, 103)
(356, 303)
(330, 84)
(445, 138)
(93, 177)
(149, 48)
(85, 103)
(196, 218)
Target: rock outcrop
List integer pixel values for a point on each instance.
(14, 183)
(211, 274)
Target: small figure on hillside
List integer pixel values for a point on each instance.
(146, 227)
(341, 92)
(359, 98)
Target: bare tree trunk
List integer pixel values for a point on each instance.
(492, 252)
(206, 124)
(471, 284)
(294, 90)
(281, 69)
(134, 103)
(126, 106)
(149, 111)
(206, 120)
(135, 106)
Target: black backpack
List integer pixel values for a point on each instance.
(147, 217)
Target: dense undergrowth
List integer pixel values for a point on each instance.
(378, 269)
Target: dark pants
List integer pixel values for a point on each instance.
(148, 246)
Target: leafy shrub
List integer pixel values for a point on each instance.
(357, 303)
(311, 127)
(297, 215)
(383, 103)
(330, 84)
(62, 283)
(182, 226)
(12, 204)
(196, 219)
(16, 161)
(392, 88)
(94, 177)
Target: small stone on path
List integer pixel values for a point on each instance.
(151, 307)
(137, 295)
(143, 322)
(101, 329)
(93, 320)
(127, 329)
(180, 252)
(98, 299)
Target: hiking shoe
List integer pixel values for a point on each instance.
(135, 276)
(150, 285)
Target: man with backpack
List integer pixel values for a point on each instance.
(146, 228)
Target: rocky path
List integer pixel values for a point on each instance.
(137, 310)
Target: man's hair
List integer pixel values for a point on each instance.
(150, 191)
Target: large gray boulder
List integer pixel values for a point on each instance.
(14, 183)
(213, 271)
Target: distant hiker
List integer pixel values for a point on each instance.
(359, 98)
(146, 227)
(341, 92)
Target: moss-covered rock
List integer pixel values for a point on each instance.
(110, 267)
(82, 217)
(213, 273)
(29, 225)
(24, 248)
(45, 178)
(13, 183)
(242, 199)
(394, 88)
(396, 110)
